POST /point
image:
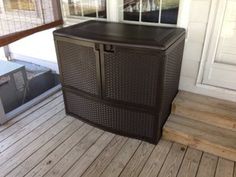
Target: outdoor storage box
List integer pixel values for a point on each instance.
(120, 77)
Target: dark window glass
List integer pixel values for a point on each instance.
(131, 10)
(75, 7)
(89, 8)
(150, 11)
(102, 9)
(169, 11)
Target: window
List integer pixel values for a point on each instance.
(85, 8)
(137, 11)
(152, 11)
(27, 5)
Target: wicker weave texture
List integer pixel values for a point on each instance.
(172, 69)
(122, 120)
(131, 75)
(132, 88)
(78, 66)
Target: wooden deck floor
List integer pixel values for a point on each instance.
(43, 141)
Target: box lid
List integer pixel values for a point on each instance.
(121, 33)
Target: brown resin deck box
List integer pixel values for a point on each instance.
(120, 77)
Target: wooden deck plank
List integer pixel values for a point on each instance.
(48, 143)
(70, 158)
(156, 159)
(16, 160)
(209, 110)
(204, 115)
(173, 161)
(225, 168)
(104, 159)
(44, 166)
(30, 127)
(83, 163)
(204, 105)
(207, 166)
(14, 128)
(122, 158)
(215, 102)
(21, 144)
(190, 163)
(201, 136)
(29, 111)
(45, 150)
(136, 163)
(212, 133)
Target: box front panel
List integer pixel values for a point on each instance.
(132, 75)
(124, 121)
(78, 66)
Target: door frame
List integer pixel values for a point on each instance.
(215, 20)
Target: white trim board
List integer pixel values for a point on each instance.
(212, 36)
(197, 86)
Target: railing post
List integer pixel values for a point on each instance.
(7, 51)
(2, 9)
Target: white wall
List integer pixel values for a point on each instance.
(38, 48)
(40, 45)
(197, 25)
(2, 55)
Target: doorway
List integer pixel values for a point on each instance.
(220, 67)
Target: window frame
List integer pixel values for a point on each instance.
(148, 23)
(74, 18)
(182, 19)
(115, 13)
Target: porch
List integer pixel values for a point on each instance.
(43, 141)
